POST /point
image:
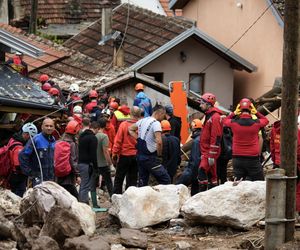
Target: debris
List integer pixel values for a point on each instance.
(183, 245)
(133, 238)
(117, 247)
(86, 243)
(238, 206)
(45, 242)
(8, 244)
(9, 203)
(155, 205)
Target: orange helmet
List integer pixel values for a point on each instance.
(46, 86)
(165, 125)
(114, 105)
(196, 123)
(53, 92)
(245, 103)
(72, 127)
(93, 94)
(44, 78)
(209, 98)
(139, 86)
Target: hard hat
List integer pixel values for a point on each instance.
(139, 86)
(196, 123)
(106, 112)
(165, 125)
(93, 94)
(245, 103)
(44, 78)
(114, 105)
(72, 127)
(30, 128)
(209, 98)
(46, 86)
(169, 109)
(77, 110)
(53, 92)
(18, 53)
(74, 87)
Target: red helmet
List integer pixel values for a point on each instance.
(165, 125)
(72, 127)
(44, 78)
(209, 98)
(46, 86)
(93, 94)
(53, 92)
(114, 105)
(196, 123)
(245, 103)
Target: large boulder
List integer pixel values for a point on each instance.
(86, 243)
(146, 206)
(39, 201)
(9, 203)
(238, 206)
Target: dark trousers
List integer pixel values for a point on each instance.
(105, 172)
(127, 166)
(189, 178)
(222, 170)
(85, 176)
(248, 168)
(18, 183)
(151, 165)
(71, 189)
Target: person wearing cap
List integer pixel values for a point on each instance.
(121, 114)
(171, 149)
(175, 121)
(18, 64)
(210, 142)
(189, 175)
(142, 100)
(17, 180)
(93, 96)
(245, 147)
(77, 115)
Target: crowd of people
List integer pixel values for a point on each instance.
(106, 143)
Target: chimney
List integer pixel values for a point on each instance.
(4, 11)
(106, 25)
(119, 51)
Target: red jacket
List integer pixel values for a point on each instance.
(14, 153)
(89, 107)
(275, 143)
(245, 133)
(124, 143)
(111, 133)
(210, 142)
(120, 115)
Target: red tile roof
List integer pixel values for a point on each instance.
(146, 32)
(51, 53)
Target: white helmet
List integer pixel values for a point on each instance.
(74, 87)
(30, 128)
(77, 110)
(106, 112)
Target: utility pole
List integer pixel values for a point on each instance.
(33, 17)
(289, 111)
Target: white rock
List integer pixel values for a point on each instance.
(238, 206)
(146, 206)
(9, 202)
(48, 194)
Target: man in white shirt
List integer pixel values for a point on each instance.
(147, 131)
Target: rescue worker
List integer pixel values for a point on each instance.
(17, 179)
(142, 101)
(54, 92)
(210, 142)
(147, 131)
(43, 78)
(175, 121)
(93, 95)
(189, 175)
(77, 115)
(46, 87)
(109, 130)
(44, 143)
(275, 144)
(120, 115)
(171, 149)
(245, 148)
(68, 182)
(18, 64)
(124, 153)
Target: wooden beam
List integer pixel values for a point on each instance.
(9, 109)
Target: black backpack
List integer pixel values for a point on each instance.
(226, 144)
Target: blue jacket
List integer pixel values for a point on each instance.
(28, 159)
(195, 156)
(142, 101)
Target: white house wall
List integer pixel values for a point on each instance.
(218, 78)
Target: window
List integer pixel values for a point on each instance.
(196, 83)
(159, 77)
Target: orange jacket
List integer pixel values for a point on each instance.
(111, 133)
(124, 143)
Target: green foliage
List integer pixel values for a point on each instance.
(52, 38)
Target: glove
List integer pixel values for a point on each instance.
(211, 161)
(112, 170)
(253, 109)
(237, 110)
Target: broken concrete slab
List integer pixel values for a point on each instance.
(146, 206)
(183, 245)
(86, 243)
(45, 242)
(133, 238)
(240, 206)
